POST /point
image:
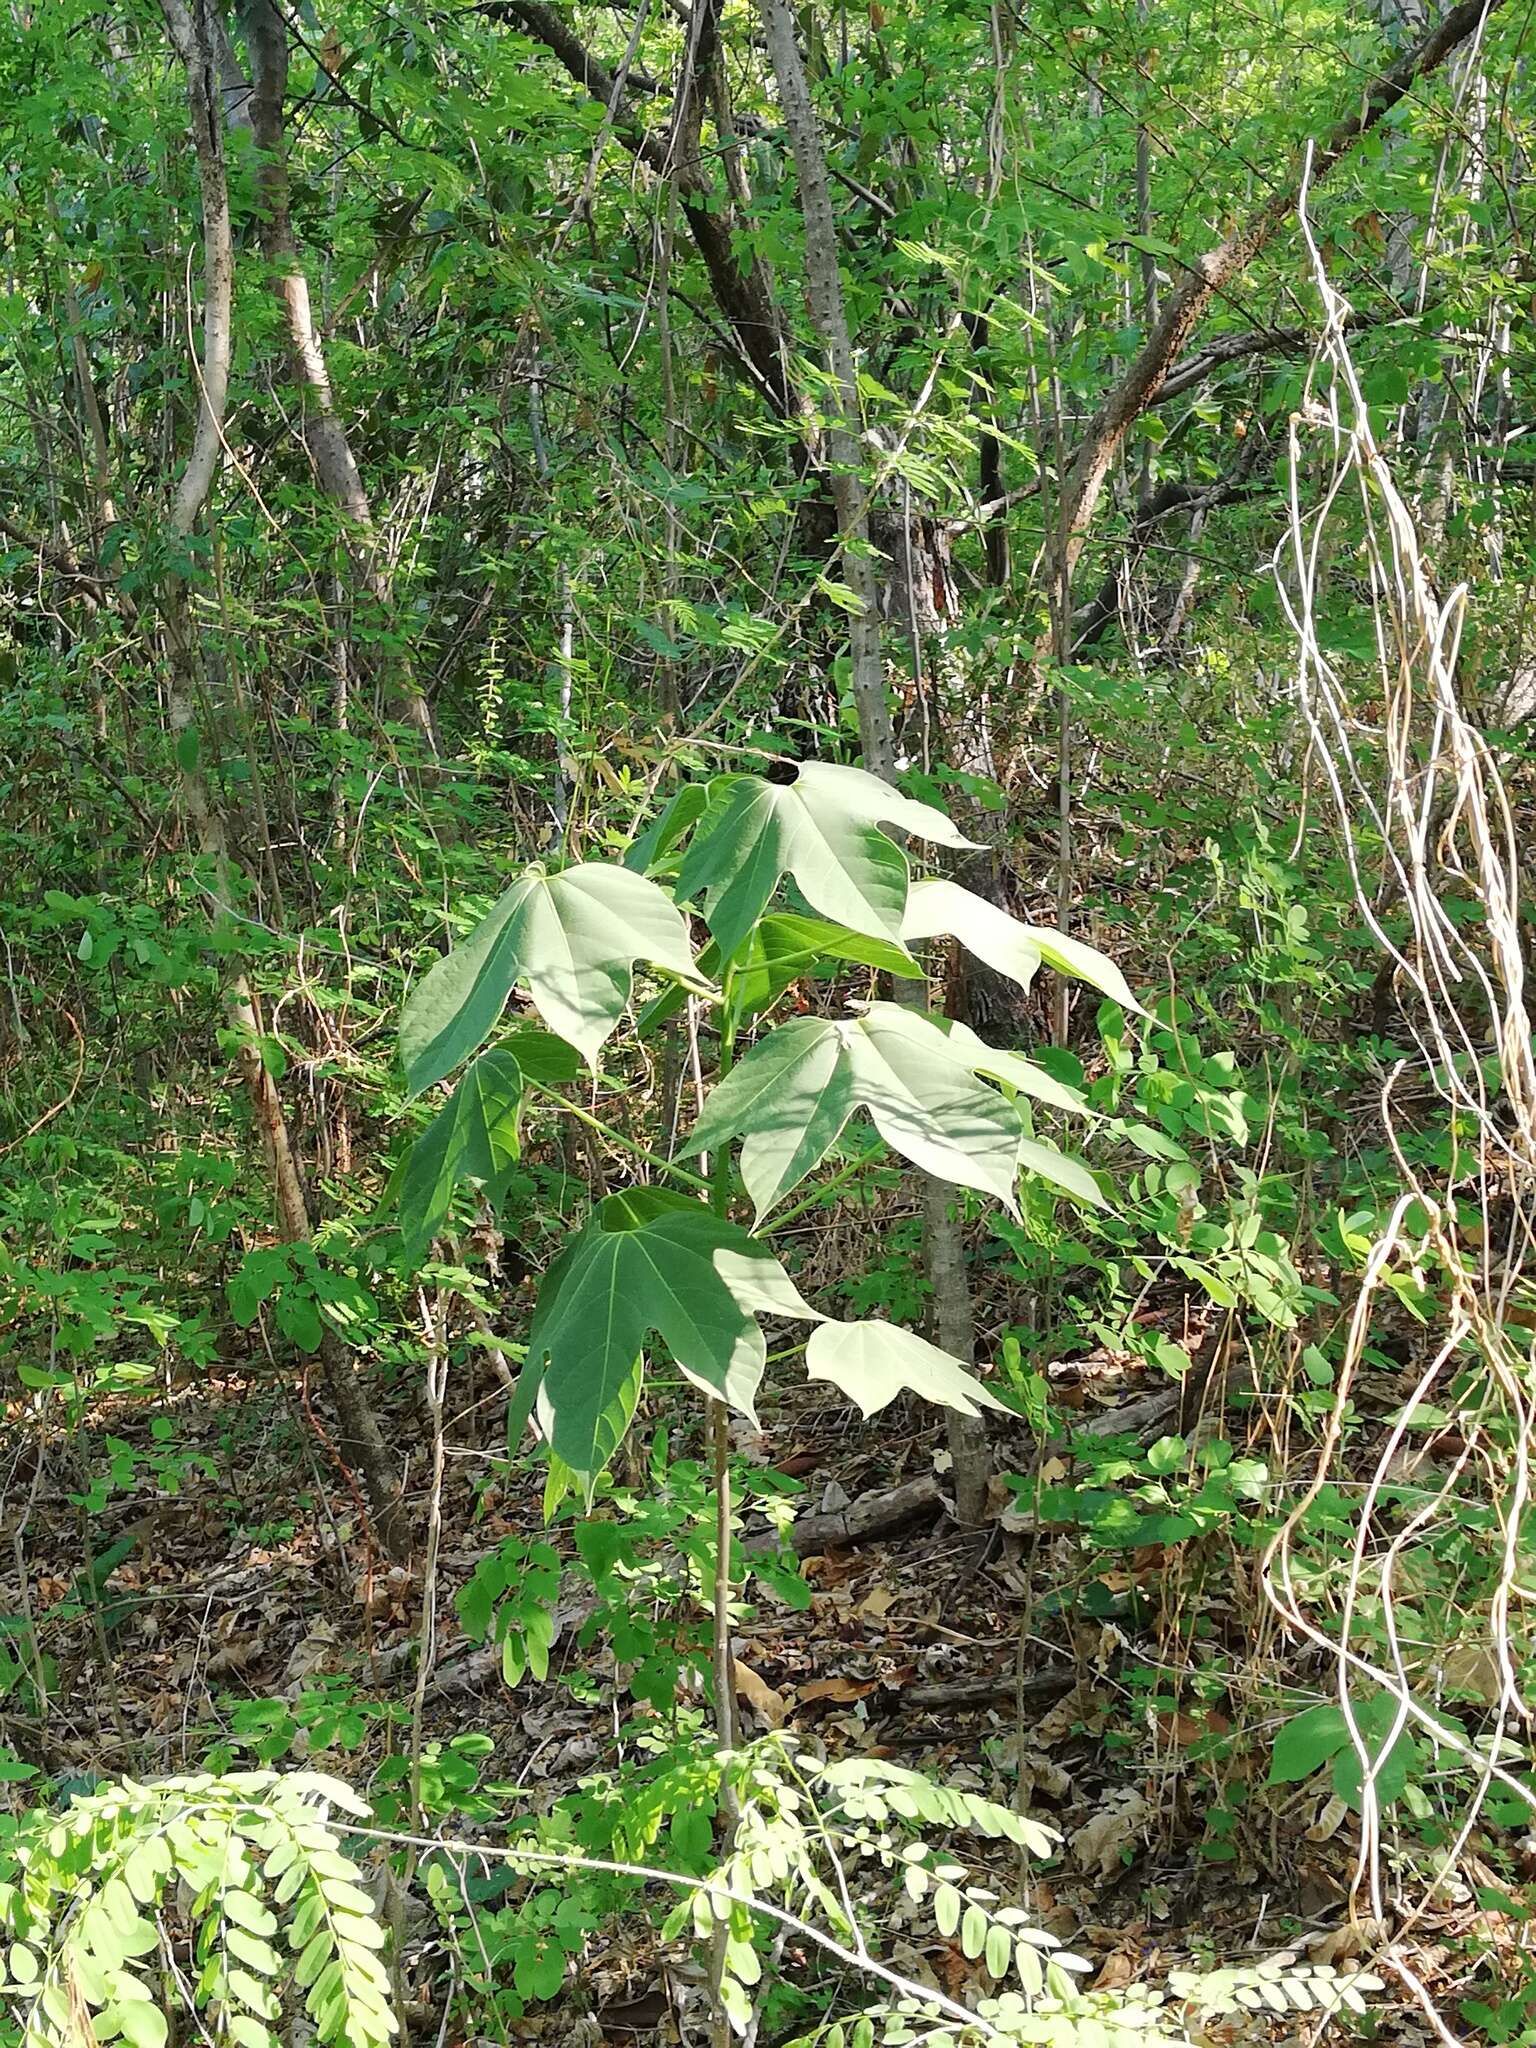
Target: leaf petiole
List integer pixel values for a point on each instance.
(628, 1144)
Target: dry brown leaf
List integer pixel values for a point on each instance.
(840, 1689)
(1099, 1844)
(1470, 1668)
(1118, 1970)
(1038, 1774)
(1080, 1704)
(1343, 1944)
(876, 1605)
(1328, 1822)
(751, 1686)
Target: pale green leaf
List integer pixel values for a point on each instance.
(791, 1095)
(317, 1952)
(249, 2032)
(473, 1137)
(973, 1934)
(874, 1362)
(251, 1994)
(247, 1911)
(570, 939)
(823, 830)
(255, 1953)
(938, 908)
(138, 2022)
(1061, 1170)
(941, 909)
(1013, 1069)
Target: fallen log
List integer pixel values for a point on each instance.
(871, 1515)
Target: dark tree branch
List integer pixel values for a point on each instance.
(1147, 378)
(741, 291)
(1167, 500)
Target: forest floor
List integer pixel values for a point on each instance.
(953, 1650)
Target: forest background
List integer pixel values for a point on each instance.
(683, 671)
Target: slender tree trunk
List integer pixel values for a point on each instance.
(944, 1244)
(193, 30)
(325, 433)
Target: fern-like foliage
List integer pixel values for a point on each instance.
(140, 1894)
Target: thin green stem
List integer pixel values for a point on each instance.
(845, 1172)
(720, 1164)
(655, 1159)
(720, 1464)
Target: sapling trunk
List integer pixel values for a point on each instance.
(719, 1430)
(944, 1250)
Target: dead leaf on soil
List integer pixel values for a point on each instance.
(1081, 1704)
(840, 1689)
(759, 1695)
(1328, 1822)
(1099, 1844)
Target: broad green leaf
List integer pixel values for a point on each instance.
(546, 1060)
(570, 939)
(649, 1261)
(874, 1362)
(781, 949)
(938, 908)
(473, 1137)
(1061, 1170)
(1013, 1069)
(1390, 1767)
(785, 948)
(822, 830)
(791, 1095)
(1306, 1743)
(612, 1428)
(683, 809)
(139, 2023)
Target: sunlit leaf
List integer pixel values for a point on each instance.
(570, 939)
(874, 1362)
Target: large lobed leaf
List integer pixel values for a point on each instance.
(570, 939)
(475, 1136)
(822, 830)
(648, 1261)
(940, 909)
(873, 1362)
(791, 1095)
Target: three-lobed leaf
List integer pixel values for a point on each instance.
(791, 1095)
(937, 908)
(649, 1261)
(475, 1135)
(873, 1362)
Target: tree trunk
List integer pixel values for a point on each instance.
(193, 30)
(325, 433)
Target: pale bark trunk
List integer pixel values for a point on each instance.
(325, 433)
(193, 30)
